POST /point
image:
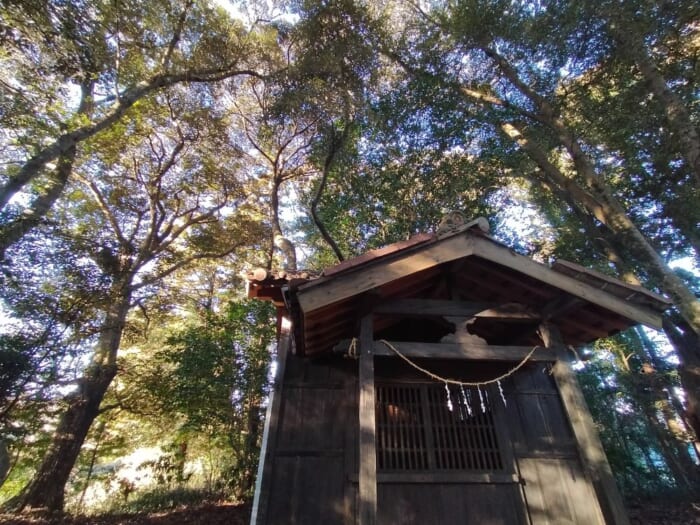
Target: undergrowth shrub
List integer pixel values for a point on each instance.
(159, 499)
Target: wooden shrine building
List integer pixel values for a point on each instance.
(362, 427)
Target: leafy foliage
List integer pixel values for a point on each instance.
(150, 151)
(210, 380)
(618, 377)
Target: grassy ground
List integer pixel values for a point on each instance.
(209, 514)
(641, 513)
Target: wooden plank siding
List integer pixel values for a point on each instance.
(449, 504)
(316, 445)
(314, 468)
(589, 445)
(554, 482)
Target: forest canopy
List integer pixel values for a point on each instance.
(152, 152)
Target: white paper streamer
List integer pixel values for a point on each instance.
(449, 399)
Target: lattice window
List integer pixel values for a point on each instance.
(416, 430)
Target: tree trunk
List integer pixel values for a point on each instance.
(601, 239)
(46, 490)
(275, 209)
(280, 241)
(337, 142)
(597, 199)
(677, 115)
(14, 230)
(4, 461)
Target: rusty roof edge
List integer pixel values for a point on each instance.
(634, 311)
(564, 267)
(400, 248)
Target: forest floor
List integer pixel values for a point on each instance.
(664, 513)
(641, 513)
(206, 514)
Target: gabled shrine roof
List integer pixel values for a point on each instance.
(463, 264)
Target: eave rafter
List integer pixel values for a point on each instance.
(326, 291)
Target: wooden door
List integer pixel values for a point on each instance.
(556, 487)
(444, 459)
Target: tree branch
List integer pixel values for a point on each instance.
(184, 262)
(104, 207)
(337, 143)
(176, 36)
(32, 167)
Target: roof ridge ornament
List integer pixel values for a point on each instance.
(455, 222)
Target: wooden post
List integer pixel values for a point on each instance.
(590, 448)
(368, 453)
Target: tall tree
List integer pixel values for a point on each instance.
(278, 151)
(169, 202)
(117, 55)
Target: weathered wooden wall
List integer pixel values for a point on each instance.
(313, 468)
(316, 444)
(555, 486)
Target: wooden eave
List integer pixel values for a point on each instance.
(585, 305)
(629, 292)
(318, 294)
(270, 290)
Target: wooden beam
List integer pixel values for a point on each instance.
(554, 308)
(368, 446)
(510, 312)
(320, 293)
(421, 307)
(590, 448)
(560, 305)
(442, 308)
(506, 257)
(456, 351)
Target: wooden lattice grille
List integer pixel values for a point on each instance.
(416, 430)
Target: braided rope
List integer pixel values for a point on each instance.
(447, 380)
(352, 349)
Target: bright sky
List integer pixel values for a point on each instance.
(250, 15)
